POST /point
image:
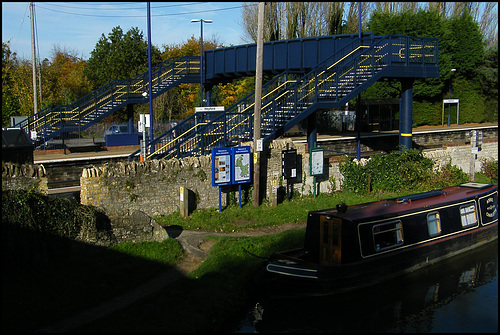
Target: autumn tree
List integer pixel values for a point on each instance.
(64, 81)
(10, 101)
(180, 102)
(17, 86)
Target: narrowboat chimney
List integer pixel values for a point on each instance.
(341, 208)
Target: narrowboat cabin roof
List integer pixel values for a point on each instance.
(410, 203)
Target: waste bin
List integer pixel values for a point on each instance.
(16, 146)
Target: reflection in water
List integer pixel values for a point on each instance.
(454, 295)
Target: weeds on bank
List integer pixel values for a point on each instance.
(233, 218)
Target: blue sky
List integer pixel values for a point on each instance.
(77, 26)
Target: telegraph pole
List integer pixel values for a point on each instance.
(257, 105)
(33, 58)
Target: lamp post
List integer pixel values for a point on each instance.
(201, 56)
(449, 97)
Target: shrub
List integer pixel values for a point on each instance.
(36, 227)
(448, 175)
(489, 168)
(406, 169)
(396, 171)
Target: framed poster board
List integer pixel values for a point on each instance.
(241, 162)
(221, 166)
(316, 161)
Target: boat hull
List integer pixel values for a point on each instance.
(301, 279)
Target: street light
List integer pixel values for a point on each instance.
(201, 56)
(449, 97)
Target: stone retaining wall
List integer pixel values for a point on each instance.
(462, 157)
(154, 186)
(25, 176)
(121, 188)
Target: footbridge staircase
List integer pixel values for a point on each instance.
(291, 97)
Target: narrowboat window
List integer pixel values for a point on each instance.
(433, 224)
(468, 215)
(387, 235)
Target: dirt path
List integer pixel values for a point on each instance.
(196, 248)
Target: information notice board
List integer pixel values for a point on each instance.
(231, 166)
(241, 165)
(316, 162)
(221, 166)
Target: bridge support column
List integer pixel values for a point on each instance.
(208, 95)
(312, 131)
(405, 114)
(130, 118)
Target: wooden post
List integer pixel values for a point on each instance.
(258, 101)
(274, 193)
(183, 202)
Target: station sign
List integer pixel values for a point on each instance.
(209, 109)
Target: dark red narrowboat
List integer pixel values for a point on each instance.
(351, 247)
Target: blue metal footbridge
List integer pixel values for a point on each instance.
(310, 74)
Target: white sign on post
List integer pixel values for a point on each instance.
(145, 120)
(259, 144)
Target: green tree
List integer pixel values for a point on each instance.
(411, 23)
(462, 46)
(488, 81)
(119, 56)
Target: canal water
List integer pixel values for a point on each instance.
(458, 295)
